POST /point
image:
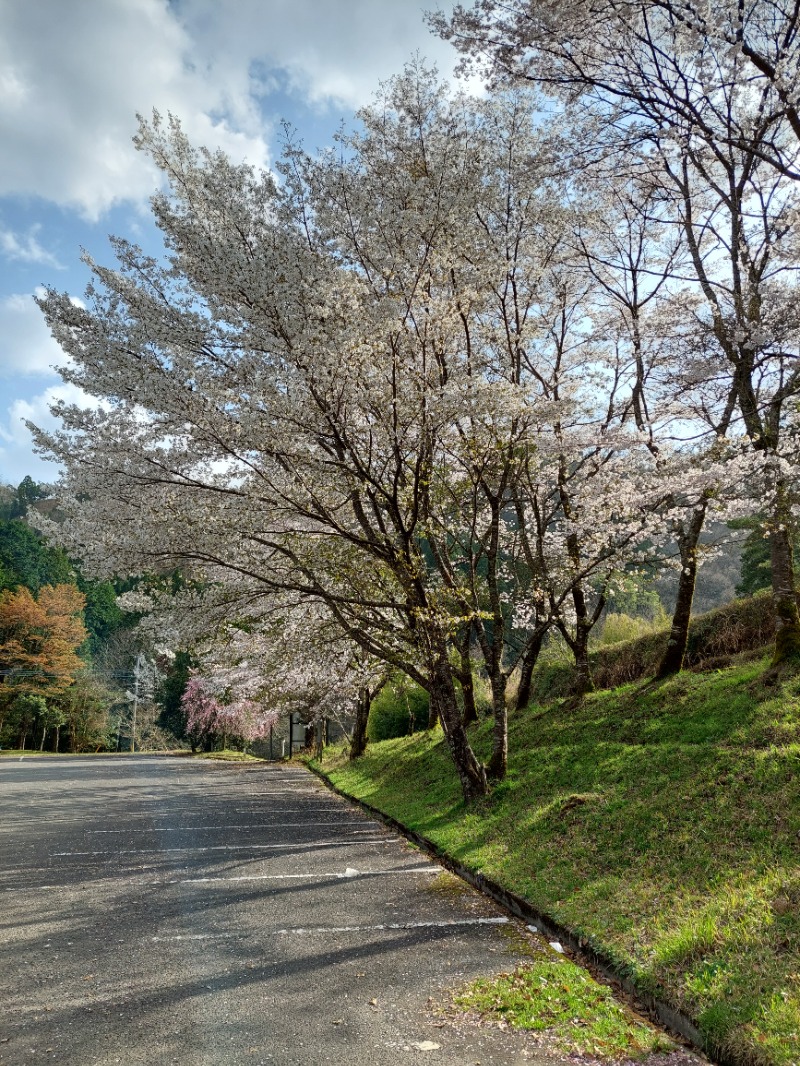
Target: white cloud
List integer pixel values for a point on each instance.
(26, 249)
(79, 72)
(16, 458)
(71, 81)
(336, 51)
(26, 346)
(37, 410)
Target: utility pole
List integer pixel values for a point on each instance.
(141, 663)
(135, 706)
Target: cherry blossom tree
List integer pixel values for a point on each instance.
(293, 396)
(235, 716)
(203, 712)
(704, 97)
(275, 660)
(633, 251)
(642, 65)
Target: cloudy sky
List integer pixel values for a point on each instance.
(73, 75)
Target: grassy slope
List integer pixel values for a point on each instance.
(662, 824)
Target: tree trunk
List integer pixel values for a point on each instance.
(470, 771)
(58, 731)
(466, 682)
(44, 734)
(498, 763)
(526, 671)
(358, 741)
(433, 711)
(675, 651)
(688, 539)
(468, 692)
(787, 618)
(579, 642)
(583, 671)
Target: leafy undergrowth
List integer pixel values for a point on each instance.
(659, 822)
(560, 997)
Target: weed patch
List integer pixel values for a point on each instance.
(228, 756)
(559, 997)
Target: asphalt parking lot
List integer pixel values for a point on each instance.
(164, 910)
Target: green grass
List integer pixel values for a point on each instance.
(661, 823)
(557, 996)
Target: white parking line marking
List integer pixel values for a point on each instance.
(288, 792)
(327, 930)
(254, 825)
(222, 847)
(31, 888)
(318, 876)
(307, 877)
(260, 808)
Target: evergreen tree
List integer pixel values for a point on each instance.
(170, 696)
(26, 561)
(102, 616)
(756, 573)
(27, 493)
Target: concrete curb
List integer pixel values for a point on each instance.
(670, 1018)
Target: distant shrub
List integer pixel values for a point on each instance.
(629, 660)
(618, 627)
(744, 625)
(482, 691)
(741, 626)
(400, 708)
(551, 680)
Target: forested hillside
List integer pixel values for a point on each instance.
(67, 653)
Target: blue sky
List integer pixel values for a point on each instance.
(72, 77)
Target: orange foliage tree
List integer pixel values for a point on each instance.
(39, 640)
